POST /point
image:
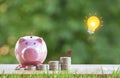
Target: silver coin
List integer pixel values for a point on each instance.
(30, 67)
(65, 60)
(22, 68)
(53, 62)
(17, 68)
(53, 65)
(41, 67)
(65, 67)
(54, 69)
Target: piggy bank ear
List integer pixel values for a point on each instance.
(21, 40)
(39, 40)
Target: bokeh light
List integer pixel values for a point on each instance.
(11, 40)
(4, 50)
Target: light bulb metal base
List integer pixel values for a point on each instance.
(90, 32)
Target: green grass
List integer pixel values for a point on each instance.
(60, 75)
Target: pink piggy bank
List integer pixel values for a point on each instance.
(30, 50)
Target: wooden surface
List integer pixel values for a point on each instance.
(75, 69)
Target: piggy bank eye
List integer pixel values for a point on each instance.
(34, 43)
(26, 43)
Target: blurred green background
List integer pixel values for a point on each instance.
(61, 24)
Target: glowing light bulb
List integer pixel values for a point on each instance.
(93, 22)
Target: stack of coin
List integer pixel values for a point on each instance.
(30, 67)
(65, 63)
(22, 68)
(41, 67)
(19, 68)
(53, 65)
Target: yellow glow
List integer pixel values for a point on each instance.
(93, 22)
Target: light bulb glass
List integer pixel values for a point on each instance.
(93, 22)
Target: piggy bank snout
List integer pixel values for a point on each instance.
(29, 54)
